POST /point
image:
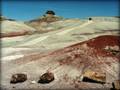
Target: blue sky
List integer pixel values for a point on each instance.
(27, 10)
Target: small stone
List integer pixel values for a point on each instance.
(33, 82)
(90, 19)
(46, 78)
(18, 78)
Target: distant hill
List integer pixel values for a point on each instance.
(40, 23)
(2, 18)
(11, 27)
(68, 31)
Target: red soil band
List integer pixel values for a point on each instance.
(98, 44)
(103, 41)
(13, 34)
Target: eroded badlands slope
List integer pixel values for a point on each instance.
(71, 48)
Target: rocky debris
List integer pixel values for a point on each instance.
(18, 78)
(95, 77)
(48, 17)
(116, 85)
(46, 78)
(115, 50)
(42, 23)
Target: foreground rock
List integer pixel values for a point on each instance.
(46, 78)
(95, 77)
(18, 78)
(116, 84)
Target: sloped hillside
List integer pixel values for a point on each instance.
(66, 32)
(10, 28)
(68, 49)
(42, 22)
(69, 64)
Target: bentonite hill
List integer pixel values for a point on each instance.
(57, 53)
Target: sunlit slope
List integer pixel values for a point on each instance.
(67, 64)
(14, 28)
(65, 32)
(71, 47)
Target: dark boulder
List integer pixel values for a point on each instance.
(50, 12)
(46, 78)
(90, 19)
(18, 78)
